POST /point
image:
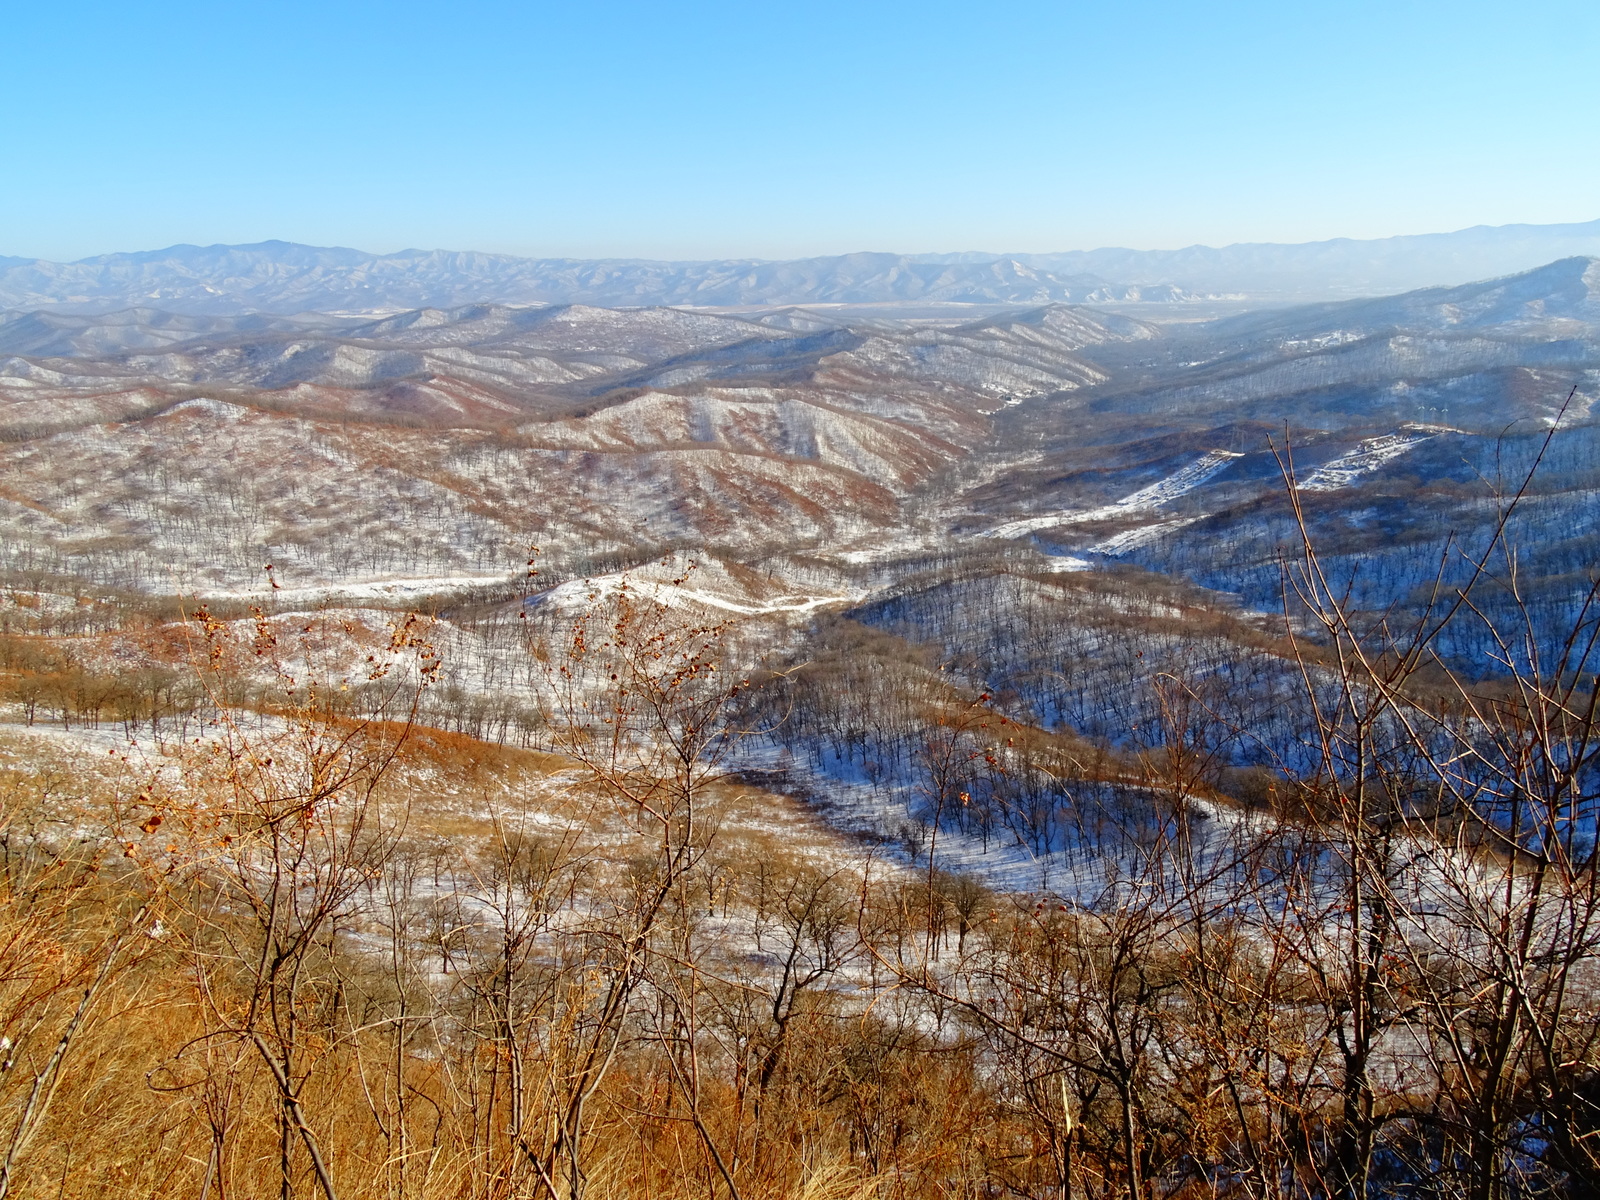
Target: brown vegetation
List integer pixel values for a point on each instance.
(323, 950)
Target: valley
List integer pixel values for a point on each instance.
(1035, 477)
(954, 728)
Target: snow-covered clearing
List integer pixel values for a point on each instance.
(1137, 539)
(1366, 458)
(1161, 492)
(1067, 562)
(887, 547)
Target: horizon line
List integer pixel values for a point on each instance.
(995, 256)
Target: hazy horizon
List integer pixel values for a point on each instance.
(976, 252)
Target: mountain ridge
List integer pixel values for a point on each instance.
(282, 277)
(1346, 267)
(285, 277)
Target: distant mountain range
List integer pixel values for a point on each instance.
(1342, 268)
(282, 277)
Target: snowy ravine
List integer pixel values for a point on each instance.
(883, 815)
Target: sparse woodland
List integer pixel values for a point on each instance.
(965, 877)
(272, 960)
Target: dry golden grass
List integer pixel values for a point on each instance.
(151, 1075)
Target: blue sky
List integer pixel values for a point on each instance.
(681, 130)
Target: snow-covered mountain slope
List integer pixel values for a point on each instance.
(192, 467)
(201, 496)
(479, 363)
(65, 334)
(1373, 453)
(1566, 291)
(831, 481)
(983, 359)
(436, 442)
(1310, 360)
(158, 452)
(895, 442)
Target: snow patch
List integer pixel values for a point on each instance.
(1137, 539)
(1067, 562)
(1154, 496)
(211, 408)
(1366, 458)
(578, 594)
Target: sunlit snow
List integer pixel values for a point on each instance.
(1366, 458)
(1153, 496)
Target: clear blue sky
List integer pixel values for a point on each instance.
(692, 129)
